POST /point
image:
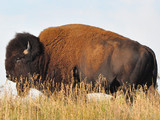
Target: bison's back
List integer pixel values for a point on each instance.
(69, 40)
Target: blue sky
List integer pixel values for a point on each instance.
(136, 19)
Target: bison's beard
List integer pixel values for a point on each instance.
(22, 89)
(23, 84)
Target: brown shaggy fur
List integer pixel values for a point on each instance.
(67, 44)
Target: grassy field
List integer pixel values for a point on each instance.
(74, 106)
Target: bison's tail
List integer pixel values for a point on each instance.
(154, 70)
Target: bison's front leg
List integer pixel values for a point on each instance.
(76, 76)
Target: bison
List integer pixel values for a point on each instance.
(78, 51)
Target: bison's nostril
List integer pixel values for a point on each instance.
(7, 76)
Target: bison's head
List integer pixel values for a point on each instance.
(22, 59)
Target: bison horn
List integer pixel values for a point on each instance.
(26, 51)
(28, 46)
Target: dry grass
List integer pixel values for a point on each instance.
(71, 105)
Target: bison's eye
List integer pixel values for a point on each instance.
(18, 59)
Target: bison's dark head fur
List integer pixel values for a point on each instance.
(22, 58)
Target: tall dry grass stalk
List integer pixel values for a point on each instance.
(71, 104)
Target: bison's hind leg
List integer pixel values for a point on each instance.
(113, 86)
